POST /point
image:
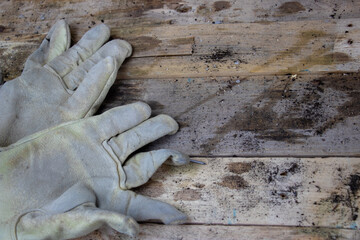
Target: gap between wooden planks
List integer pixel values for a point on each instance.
(222, 50)
(279, 192)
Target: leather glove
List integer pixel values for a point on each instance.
(66, 181)
(60, 84)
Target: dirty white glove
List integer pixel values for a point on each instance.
(66, 181)
(60, 84)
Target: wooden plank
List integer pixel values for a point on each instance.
(226, 50)
(242, 49)
(176, 232)
(311, 192)
(320, 192)
(302, 115)
(150, 46)
(36, 16)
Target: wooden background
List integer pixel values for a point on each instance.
(267, 93)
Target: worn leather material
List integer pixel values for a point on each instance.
(59, 83)
(66, 181)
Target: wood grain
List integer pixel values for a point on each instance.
(176, 232)
(21, 15)
(243, 78)
(222, 50)
(302, 115)
(254, 48)
(283, 192)
(267, 191)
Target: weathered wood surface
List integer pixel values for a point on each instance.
(201, 232)
(254, 48)
(89, 12)
(243, 78)
(221, 50)
(263, 191)
(311, 192)
(303, 115)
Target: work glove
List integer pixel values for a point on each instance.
(66, 181)
(59, 84)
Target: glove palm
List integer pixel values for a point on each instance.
(69, 180)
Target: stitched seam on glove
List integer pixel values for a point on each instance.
(88, 113)
(17, 220)
(119, 169)
(48, 68)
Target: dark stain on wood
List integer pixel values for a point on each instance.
(199, 185)
(306, 111)
(343, 200)
(188, 195)
(278, 177)
(288, 110)
(221, 5)
(203, 10)
(294, 168)
(347, 83)
(218, 55)
(275, 173)
(138, 8)
(2, 28)
(291, 7)
(234, 182)
(285, 193)
(239, 167)
(332, 58)
(182, 8)
(183, 124)
(152, 189)
(319, 57)
(155, 106)
(282, 187)
(354, 184)
(339, 57)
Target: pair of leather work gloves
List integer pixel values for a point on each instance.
(64, 174)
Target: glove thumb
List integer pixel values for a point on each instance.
(55, 43)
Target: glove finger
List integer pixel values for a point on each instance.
(118, 49)
(118, 120)
(146, 132)
(142, 166)
(142, 208)
(74, 223)
(86, 47)
(55, 43)
(92, 91)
